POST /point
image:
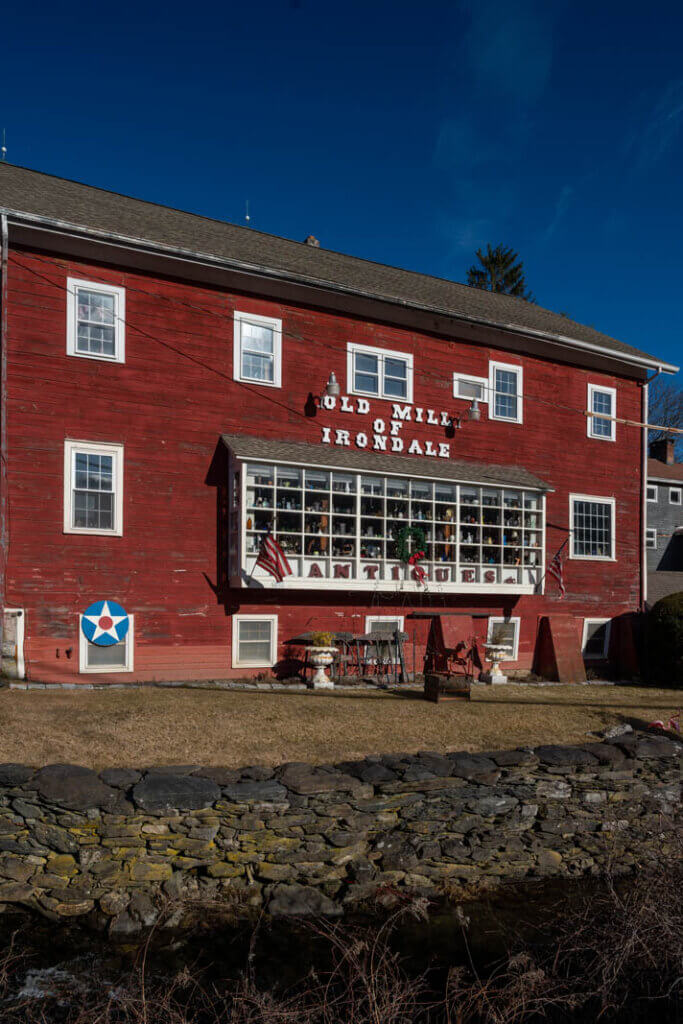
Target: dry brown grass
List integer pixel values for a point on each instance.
(140, 727)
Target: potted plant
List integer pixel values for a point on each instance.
(321, 652)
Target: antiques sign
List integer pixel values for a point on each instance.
(384, 435)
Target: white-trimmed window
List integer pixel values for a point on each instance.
(95, 321)
(591, 527)
(651, 538)
(468, 387)
(652, 492)
(379, 372)
(504, 632)
(602, 403)
(674, 495)
(112, 658)
(93, 488)
(506, 389)
(254, 641)
(257, 351)
(595, 639)
(386, 625)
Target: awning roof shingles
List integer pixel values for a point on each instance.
(302, 453)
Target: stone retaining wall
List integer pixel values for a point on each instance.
(300, 839)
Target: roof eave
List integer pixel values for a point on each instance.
(176, 252)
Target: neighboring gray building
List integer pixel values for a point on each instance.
(664, 537)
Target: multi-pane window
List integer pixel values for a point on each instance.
(93, 484)
(651, 538)
(595, 640)
(592, 527)
(258, 349)
(601, 406)
(254, 640)
(112, 658)
(504, 633)
(506, 392)
(652, 492)
(674, 495)
(339, 524)
(379, 372)
(95, 321)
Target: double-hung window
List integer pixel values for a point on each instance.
(257, 351)
(652, 492)
(675, 495)
(95, 321)
(505, 385)
(379, 372)
(591, 527)
(93, 488)
(254, 641)
(602, 404)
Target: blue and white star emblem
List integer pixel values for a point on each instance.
(105, 623)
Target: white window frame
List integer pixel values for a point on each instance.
(612, 392)
(652, 488)
(236, 621)
(677, 491)
(511, 368)
(599, 499)
(651, 538)
(275, 324)
(72, 286)
(370, 620)
(495, 620)
(71, 448)
(128, 642)
(584, 638)
(381, 353)
(482, 381)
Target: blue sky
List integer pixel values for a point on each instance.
(405, 133)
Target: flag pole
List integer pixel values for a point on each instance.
(558, 552)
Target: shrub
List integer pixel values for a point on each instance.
(320, 639)
(665, 641)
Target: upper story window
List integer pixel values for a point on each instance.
(602, 404)
(674, 495)
(467, 387)
(505, 385)
(652, 492)
(257, 349)
(95, 321)
(93, 488)
(379, 372)
(592, 527)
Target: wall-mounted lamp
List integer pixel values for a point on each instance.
(332, 387)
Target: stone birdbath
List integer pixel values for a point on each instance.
(321, 655)
(495, 654)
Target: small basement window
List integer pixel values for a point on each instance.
(254, 641)
(506, 633)
(651, 537)
(652, 492)
(387, 625)
(112, 658)
(95, 321)
(595, 640)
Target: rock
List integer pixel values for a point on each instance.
(549, 862)
(149, 871)
(15, 892)
(124, 924)
(275, 872)
(55, 838)
(221, 776)
(490, 806)
(15, 868)
(27, 810)
(560, 757)
(62, 864)
(114, 902)
(475, 767)
(256, 792)
(66, 908)
(307, 780)
(223, 870)
(143, 910)
(74, 787)
(174, 769)
(417, 773)
(372, 773)
(257, 773)
(455, 850)
(15, 774)
(513, 758)
(165, 793)
(606, 753)
(120, 778)
(437, 764)
(300, 901)
(615, 731)
(553, 789)
(397, 853)
(657, 746)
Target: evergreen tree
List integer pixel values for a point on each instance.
(499, 270)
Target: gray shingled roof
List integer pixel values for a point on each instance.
(301, 453)
(31, 192)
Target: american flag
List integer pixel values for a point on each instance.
(555, 570)
(272, 558)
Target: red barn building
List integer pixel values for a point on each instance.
(164, 406)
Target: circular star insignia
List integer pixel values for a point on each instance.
(105, 623)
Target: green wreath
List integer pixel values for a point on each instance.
(403, 542)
